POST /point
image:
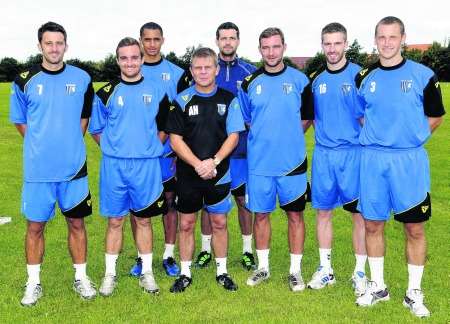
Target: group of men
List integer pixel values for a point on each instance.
(235, 130)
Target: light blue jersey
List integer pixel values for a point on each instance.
(51, 104)
(273, 104)
(129, 115)
(336, 106)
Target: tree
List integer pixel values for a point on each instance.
(315, 63)
(354, 54)
(32, 60)
(9, 68)
(109, 70)
(89, 66)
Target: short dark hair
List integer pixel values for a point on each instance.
(271, 31)
(390, 20)
(334, 27)
(51, 27)
(150, 25)
(128, 41)
(204, 52)
(227, 25)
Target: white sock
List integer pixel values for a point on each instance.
(415, 273)
(376, 265)
(33, 271)
(247, 243)
(147, 260)
(263, 259)
(360, 265)
(110, 264)
(325, 258)
(296, 263)
(221, 266)
(206, 243)
(168, 252)
(186, 268)
(80, 271)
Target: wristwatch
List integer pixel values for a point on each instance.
(216, 161)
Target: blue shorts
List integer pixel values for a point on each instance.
(130, 185)
(262, 191)
(395, 180)
(168, 168)
(335, 176)
(239, 174)
(39, 198)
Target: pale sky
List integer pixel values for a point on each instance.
(94, 27)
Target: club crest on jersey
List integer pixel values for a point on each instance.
(258, 89)
(147, 99)
(238, 84)
(287, 88)
(346, 88)
(221, 109)
(165, 76)
(193, 110)
(70, 88)
(406, 85)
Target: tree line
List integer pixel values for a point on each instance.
(437, 57)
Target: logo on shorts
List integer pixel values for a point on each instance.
(147, 99)
(171, 107)
(193, 110)
(346, 88)
(89, 202)
(425, 208)
(70, 88)
(160, 203)
(165, 76)
(287, 88)
(258, 89)
(221, 109)
(406, 85)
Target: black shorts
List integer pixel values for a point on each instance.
(170, 185)
(194, 194)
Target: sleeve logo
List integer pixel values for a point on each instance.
(24, 74)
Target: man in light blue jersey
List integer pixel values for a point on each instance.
(127, 116)
(276, 105)
(172, 79)
(50, 105)
(402, 106)
(335, 165)
(232, 70)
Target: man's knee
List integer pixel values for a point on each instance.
(116, 223)
(414, 231)
(218, 223)
(374, 227)
(35, 228)
(187, 224)
(75, 224)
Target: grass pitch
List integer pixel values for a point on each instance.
(205, 301)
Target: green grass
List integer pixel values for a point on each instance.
(205, 301)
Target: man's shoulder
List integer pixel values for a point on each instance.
(105, 92)
(364, 73)
(78, 72)
(246, 66)
(185, 96)
(250, 78)
(26, 75)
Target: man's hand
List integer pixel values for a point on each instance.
(206, 169)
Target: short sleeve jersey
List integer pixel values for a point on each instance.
(171, 78)
(51, 104)
(230, 78)
(129, 115)
(336, 106)
(273, 104)
(396, 102)
(204, 121)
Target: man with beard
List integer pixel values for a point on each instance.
(276, 105)
(127, 116)
(50, 105)
(232, 70)
(335, 165)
